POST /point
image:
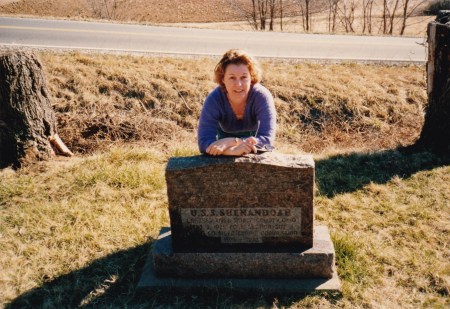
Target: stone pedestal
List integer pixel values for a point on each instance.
(242, 218)
(316, 262)
(190, 271)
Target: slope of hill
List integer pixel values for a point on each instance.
(144, 11)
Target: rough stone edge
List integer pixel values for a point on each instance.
(149, 281)
(268, 158)
(320, 257)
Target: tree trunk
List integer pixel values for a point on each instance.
(404, 16)
(308, 17)
(281, 15)
(27, 120)
(392, 17)
(435, 135)
(272, 14)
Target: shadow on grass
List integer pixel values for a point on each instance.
(350, 172)
(113, 276)
(110, 282)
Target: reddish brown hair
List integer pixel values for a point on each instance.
(237, 56)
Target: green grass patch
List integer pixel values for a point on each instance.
(349, 260)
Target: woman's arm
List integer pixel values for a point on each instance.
(265, 113)
(208, 122)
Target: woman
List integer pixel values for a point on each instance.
(238, 117)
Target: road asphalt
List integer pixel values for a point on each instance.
(130, 38)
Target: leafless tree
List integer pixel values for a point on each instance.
(389, 11)
(288, 8)
(262, 9)
(281, 15)
(392, 16)
(272, 10)
(367, 15)
(347, 11)
(333, 6)
(306, 14)
(254, 21)
(250, 12)
(384, 16)
(409, 8)
(261, 14)
(257, 15)
(308, 8)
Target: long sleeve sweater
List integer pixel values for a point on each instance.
(217, 119)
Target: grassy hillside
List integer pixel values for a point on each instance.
(76, 232)
(105, 98)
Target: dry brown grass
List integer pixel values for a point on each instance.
(101, 99)
(365, 101)
(76, 232)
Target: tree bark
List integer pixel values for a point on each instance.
(435, 135)
(281, 15)
(308, 16)
(27, 120)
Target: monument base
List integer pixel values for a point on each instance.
(310, 270)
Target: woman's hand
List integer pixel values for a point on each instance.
(218, 147)
(232, 147)
(243, 148)
(252, 140)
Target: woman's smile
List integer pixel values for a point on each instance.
(237, 81)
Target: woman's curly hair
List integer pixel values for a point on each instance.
(237, 56)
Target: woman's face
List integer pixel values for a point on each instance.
(237, 80)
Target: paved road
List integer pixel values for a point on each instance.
(170, 40)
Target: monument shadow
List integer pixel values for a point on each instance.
(350, 172)
(71, 290)
(92, 287)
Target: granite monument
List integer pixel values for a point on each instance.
(235, 219)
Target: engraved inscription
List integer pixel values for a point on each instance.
(244, 225)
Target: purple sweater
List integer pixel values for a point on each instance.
(217, 119)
